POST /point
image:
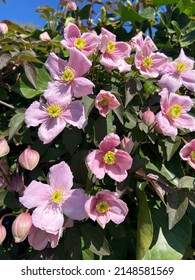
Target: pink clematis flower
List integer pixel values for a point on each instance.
(177, 73)
(188, 153)
(54, 200)
(108, 159)
(113, 53)
(106, 206)
(105, 101)
(87, 43)
(53, 116)
(173, 113)
(137, 43)
(67, 74)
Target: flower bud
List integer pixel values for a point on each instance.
(4, 148)
(2, 233)
(44, 37)
(21, 227)
(127, 144)
(3, 28)
(148, 117)
(72, 6)
(29, 159)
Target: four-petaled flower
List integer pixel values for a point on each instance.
(188, 153)
(106, 101)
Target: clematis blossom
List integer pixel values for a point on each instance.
(68, 75)
(54, 115)
(87, 43)
(187, 153)
(54, 200)
(173, 114)
(106, 206)
(113, 53)
(106, 101)
(177, 73)
(137, 43)
(108, 159)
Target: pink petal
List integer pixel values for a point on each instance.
(122, 49)
(184, 101)
(110, 35)
(55, 65)
(35, 114)
(183, 58)
(79, 62)
(116, 173)
(58, 91)
(50, 129)
(185, 152)
(74, 205)
(82, 86)
(71, 31)
(60, 176)
(123, 159)
(185, 121)
(123, 67)
(75, 114)
(110, 142)
(188, 78)
(38, 238)
(48, 218)
(95, 162)
(90, 207)
(164, 125)
(35, 194)
(170, 81)
(103, 219)
(104, 43)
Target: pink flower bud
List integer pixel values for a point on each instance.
(29, 159)
(148, 117)
(72, 6)
(44, 37)
(127, 144)
(2, 233)
(3, 28)
(21, 227)
(4, 148)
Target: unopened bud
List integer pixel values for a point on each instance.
(44, 37)
(4, 148)
(148, 117)
(29, 159)
(2, 233)
(3, 28)
(72, 6)
(127, 144)
(21, 227)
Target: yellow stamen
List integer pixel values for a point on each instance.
(102, 206)
(174, 111)
(80, 43)
(54, 110)
(110, 47)
(57, 196)
(147, 62)
(181, 66)
(109, 157)
(68, 74)
(192, 155)
(105, 101)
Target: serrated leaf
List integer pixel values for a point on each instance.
(128, 13)
(15, 124)
(30, 72)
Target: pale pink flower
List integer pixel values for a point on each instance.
(44, 37)
(137, 43)
(4, 148)
(3, 233)
(148, 117)
(106, 206)
(188, 153)
(3, 28)
(177, 73)
(68, 4)
(113, 53)
(67, 74)
(29, 158)
(127, 144)
(108, 159)
(21, 227)
(87, 43)
(54, 200)
(173, 114)
(54, 115)
(106, 101)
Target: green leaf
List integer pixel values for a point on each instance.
(15, 124)
(78, 166)
(30, 73)
(2, 196)
(168, 244)
(187, 39)
(148, 13)
(94, 240)
(71, 138)
(4, 58)
(132, 86)
(84, 12)
(144, 226)
(171, 144)
(88, 103)
(11, 201)
(187, 182)
(159, 3)
(128, 14)
(72, 243)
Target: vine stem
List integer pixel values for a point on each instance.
(6, 104)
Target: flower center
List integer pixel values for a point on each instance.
(57, 196)
(80, 43)
(147, 62)
(54, 110)
(110, 47)
(174, 111)
(105, 101)
(109, 157)
(68, 74)
(192, 155)
(102, 206)
(180, 66)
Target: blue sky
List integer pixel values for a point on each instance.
(23, 11)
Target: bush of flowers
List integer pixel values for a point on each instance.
(97, 128)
